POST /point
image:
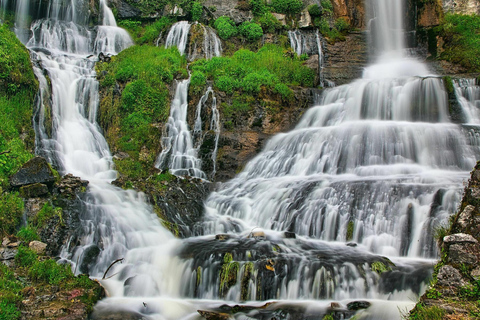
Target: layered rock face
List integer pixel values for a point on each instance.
(461, 6)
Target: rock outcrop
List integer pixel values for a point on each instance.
(456, 287)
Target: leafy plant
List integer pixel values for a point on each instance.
(196, 11)
(251, 30)
(287, 6)
(226, 28)
(11, 210)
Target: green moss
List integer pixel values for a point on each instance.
(448, 83)
(380, 267)
(46, 213)
(228, 274)
(28, 234)
(461, 34)
(350, 229)
(11, 210)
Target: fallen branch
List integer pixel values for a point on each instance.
(118, 260)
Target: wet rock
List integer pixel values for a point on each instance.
(35, 170)
(450, 278)
(351, 244)
(33, 190)
(70, 185)
(476, 273)
(121, 155)
(357, 305)
(257, 235)
(211, 315)
(104, 57)
(312, 62)
(38, 247)
(223, 237)
(112, 315)
(289, 235)
(90, 255)
(335, 305)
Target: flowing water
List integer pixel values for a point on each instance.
(368, 172)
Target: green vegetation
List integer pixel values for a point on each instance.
(17, 91)
(251, 30)
(422, 312)
(28, 234)
(226, 28)
(287, 6)
(461, 34)
(143, 72)
(45, 214)
(11, 210)
(380, 267)
(350, 229)
(146, 33)
(228, 274)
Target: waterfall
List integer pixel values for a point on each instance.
(468, 95)
(178, 153)
(303, 42)
(178, 36)
(212, 46)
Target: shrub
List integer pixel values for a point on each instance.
(327, 6)
(197, 11)
(28, 234)
(226, 28)
(198, 80)
(227, 84)
(11, 210)
(269, 23)
(342, 25)
(287, 6)
(258, 7)
(251, 30)
(315, 10)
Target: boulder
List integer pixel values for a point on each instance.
(125, 10)
(357, 305)
(305, 19)
(464, 253)
(280, 17)
(459, 238)
(450, 277)
(38, 247)
(35, 170)
(33, 190)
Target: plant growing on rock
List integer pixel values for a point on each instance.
(226, 28)
(251, 30)
(287, 6)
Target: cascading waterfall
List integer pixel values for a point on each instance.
(468, 95)
(212, 46)
(178, 152)
(178, 36)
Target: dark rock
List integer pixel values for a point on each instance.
(464, 253)
(33, 190)
(112, 315)
(352, 244)
(357, 305)
(7, 253)
(35, 170)
(125, 10)
(70, 185)
(289, 235)
(448, 276)
(104, 57)
(223, 237)
(211, 315)
(89, 257)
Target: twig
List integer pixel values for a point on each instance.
(118, 260)
(5, 152)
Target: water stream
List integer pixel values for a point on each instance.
(367, 173)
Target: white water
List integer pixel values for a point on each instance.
(178, 152)
(468, 95)
(178, 36)
(307, 43)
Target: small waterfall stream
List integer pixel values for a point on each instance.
(468, 95)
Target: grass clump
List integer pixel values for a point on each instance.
(461, 34)
(422, 312)
(11, 210)
(130, 119)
